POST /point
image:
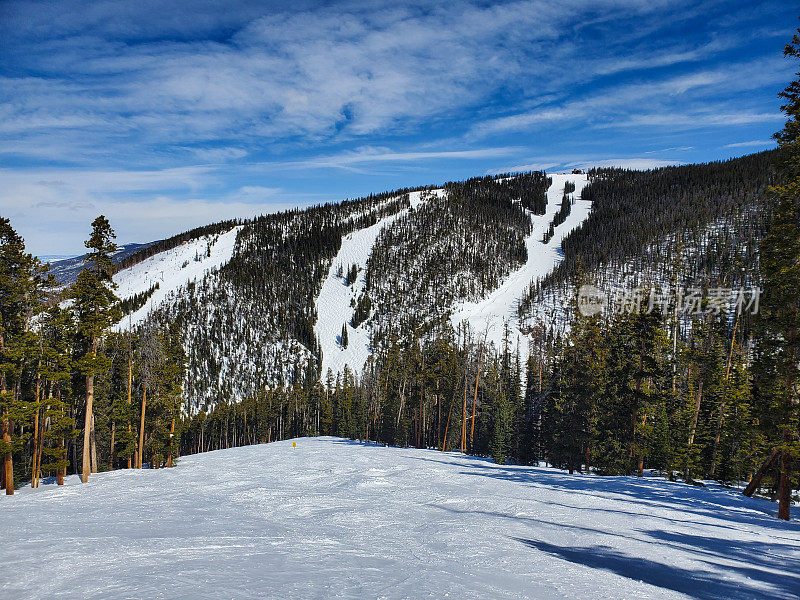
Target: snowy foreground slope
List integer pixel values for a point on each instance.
(336, 519)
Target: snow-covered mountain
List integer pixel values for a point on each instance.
(163, 283)
(169, 272)
(496, 315)
(306, 292)
(337, 299)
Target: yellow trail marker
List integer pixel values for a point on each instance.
(294, 444)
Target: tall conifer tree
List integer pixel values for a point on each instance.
(780, 309)
(96, 307)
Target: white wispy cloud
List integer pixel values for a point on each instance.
(751, 144)
(53, 207)
(184, 106)
(696, 94)
(130, 79)
(369, 154)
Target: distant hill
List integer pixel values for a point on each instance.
(66, 270)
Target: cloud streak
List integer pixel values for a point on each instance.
(751, 144)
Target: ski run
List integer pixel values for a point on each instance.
(489, 316)
(332, 518)
(336, 300)
(172, 270)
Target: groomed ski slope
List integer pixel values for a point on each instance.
(336, 301)
(489, 315)
(172, 270)
(336, 519)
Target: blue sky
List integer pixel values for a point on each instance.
(168, 115)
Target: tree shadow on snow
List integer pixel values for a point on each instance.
(710, 502)
(773, 562)
(700, 585)
(761, 561)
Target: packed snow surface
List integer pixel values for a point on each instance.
(336, 301)
(488, 316)
(338, 519)
(172, 270)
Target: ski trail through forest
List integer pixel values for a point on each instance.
(489, 315)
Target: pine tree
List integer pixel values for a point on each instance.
(502, 414)
(646, 396)
(21, 289)
(151, 363)
(96, 307)
(57, 329)
(584, 368)
(780, 308)
(172, 382)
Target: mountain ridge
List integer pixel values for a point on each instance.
(273, 324)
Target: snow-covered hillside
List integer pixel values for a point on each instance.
(336, 300)
(489, 315)
(335, 304)
(171, 270)
(336, 519)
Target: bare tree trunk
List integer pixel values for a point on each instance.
(86, 465)
(540, 372)
(171, 434)
(8, 465)
(45, 426)
(34, 465)
(88, 421)
(475, 398)
(141, 429)
(464, 418)
(447, 425)
(755, 482)
(113, 433)
(61, 471)
(634, 445)
(130, 387)
(402, 391)
(785, 488)
(675, 347)
(721, 416)
(424, 439)
(687, 474)
(93, 446)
